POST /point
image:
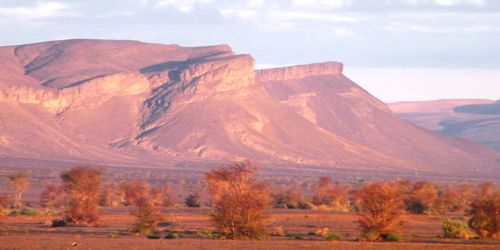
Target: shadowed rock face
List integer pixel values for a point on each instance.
(475, 120)
(138, 103)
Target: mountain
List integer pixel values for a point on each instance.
(472, 119)
(150, 104)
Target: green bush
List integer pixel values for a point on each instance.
(333, 237)
(24, 211)
(28, 211)
(153, 236)
(392, 236)
(456, 229)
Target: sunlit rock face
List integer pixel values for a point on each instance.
(300, 71)
(139, 103)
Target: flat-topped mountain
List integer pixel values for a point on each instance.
(138, 103)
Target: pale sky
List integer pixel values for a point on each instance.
(396, 49)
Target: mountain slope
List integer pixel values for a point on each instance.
(475, 120)
(138, 103)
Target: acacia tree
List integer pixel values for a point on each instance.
(82, 192)
(380, 209)
(19, 183)
(239, 201)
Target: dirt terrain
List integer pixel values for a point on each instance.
(31, 232)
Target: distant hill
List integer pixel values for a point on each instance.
(151, 104)
(472, 119)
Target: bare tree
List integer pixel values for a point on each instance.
(239, 201)
(19, 182)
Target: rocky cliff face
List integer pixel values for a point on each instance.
(300, 71)
(92, 92)
(126, 101)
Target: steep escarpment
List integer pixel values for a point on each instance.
(300, 71)
(92, 92)
(335, 103)
(139, 103)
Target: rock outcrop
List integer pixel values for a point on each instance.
(89, 93)
(300, 71)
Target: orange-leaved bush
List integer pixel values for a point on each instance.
(380, 209)
(238, 201)
(82, 190)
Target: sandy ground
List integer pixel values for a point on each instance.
(67, 242)
(33, 232)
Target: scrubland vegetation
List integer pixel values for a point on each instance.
(240, 205)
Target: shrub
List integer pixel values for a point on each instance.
(380, 209)
(485, 215)
(456, 229)
(51, 197)
(371, 235)
(109, 196)
(330, 194)
(279, 231)
(166, 195)
(449, 200)
(323, 232)
(415, 206)
(392, 236)
(19, 183)
(286, 199)
(193, 200)
(58, 223)
(333, 237)
(4, 201)
(147, 213)
(171, 236)
(153, 236)
(82, 186)
(131, 190)
(305, 205)
(28, 211)
(423, 197)
(239, 201)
